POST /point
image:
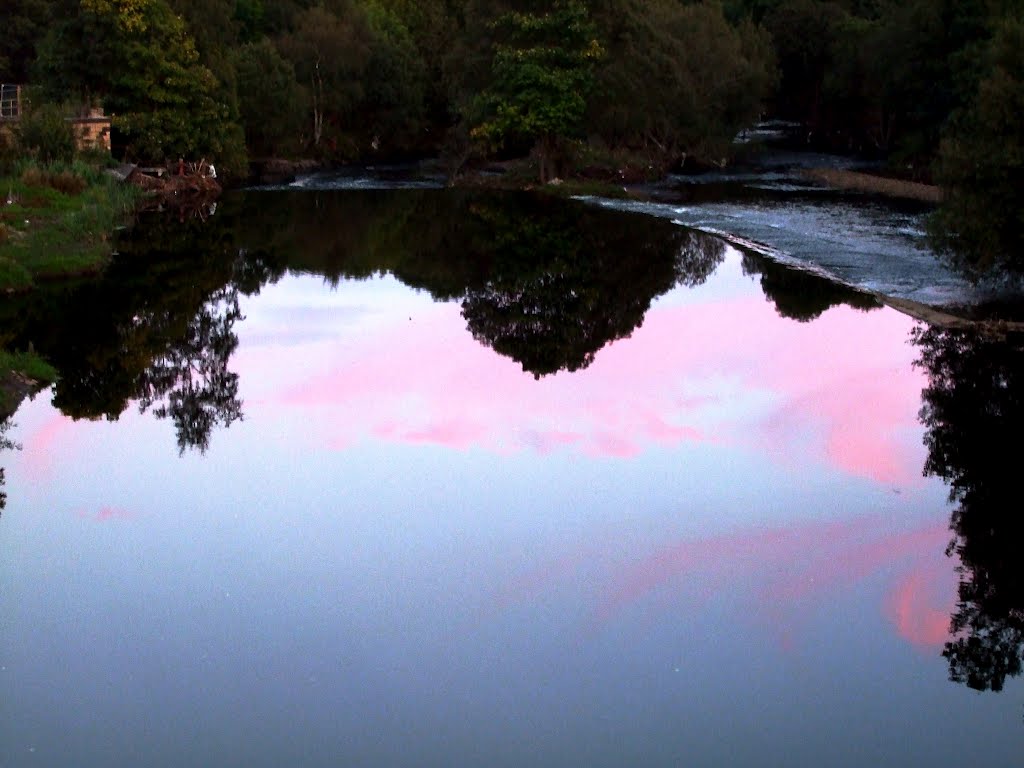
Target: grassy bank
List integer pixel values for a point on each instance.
(21, 374)
(57, 221)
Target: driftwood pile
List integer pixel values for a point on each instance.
(186, 183)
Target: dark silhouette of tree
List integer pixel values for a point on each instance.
(6, 444)
(156, 329)
(567, 280)
(801, 295)
(543, 281)
(547, 283)
(973, 408)
(189, 382)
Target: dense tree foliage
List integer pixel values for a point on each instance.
(361, 79)
(678, 78)
(541, 75)
(659, 82)
(137, 58)
(981, 165)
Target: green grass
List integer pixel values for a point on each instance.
(57, 221)
(28, 364)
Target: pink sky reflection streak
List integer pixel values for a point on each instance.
(839, 391)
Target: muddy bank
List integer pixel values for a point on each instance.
(871, 183)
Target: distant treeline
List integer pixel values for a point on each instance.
(353, 79)
(935, 86)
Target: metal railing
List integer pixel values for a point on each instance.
(10, 102)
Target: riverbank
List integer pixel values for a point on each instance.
(631, 180)
(22, 374)
(875, 184)
(58, 221)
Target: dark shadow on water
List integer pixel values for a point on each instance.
(800, 295)
(973, 409)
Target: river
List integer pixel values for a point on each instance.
(349, 475)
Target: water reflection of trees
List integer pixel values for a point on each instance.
(189, 381)
(157, 328)
(6, 444)
(973, 409)
(801, 295)
(547, 283)
(564, 285)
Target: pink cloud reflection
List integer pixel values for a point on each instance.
(107, 514)
(39, 445)
(775, 576)
(920, 605)
(840, 390)
(783, 571)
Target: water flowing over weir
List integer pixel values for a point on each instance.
(870, 244)
(861, 244)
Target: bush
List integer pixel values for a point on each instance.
(34, 176)
(13, 276)
(45, 135)
(8, 152)
(68, 182)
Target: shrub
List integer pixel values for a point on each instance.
(13, 276)
(8, 152)
(45, 135)
(68, 182)
(34, 176)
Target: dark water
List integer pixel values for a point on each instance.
(413, 477)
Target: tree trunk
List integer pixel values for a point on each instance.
(318, 114)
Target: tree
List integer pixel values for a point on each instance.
(980, 225)
(541, 73)
(6, 444)
(270, 101)
(330, 50)
(800, 295)
(25, 23)
(190, 382)
(566, 281)
(804, 34)
(393, 107)
(138, 59)
(678, 79)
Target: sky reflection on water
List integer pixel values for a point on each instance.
(713, 546)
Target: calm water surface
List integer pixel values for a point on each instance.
(415, 478)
